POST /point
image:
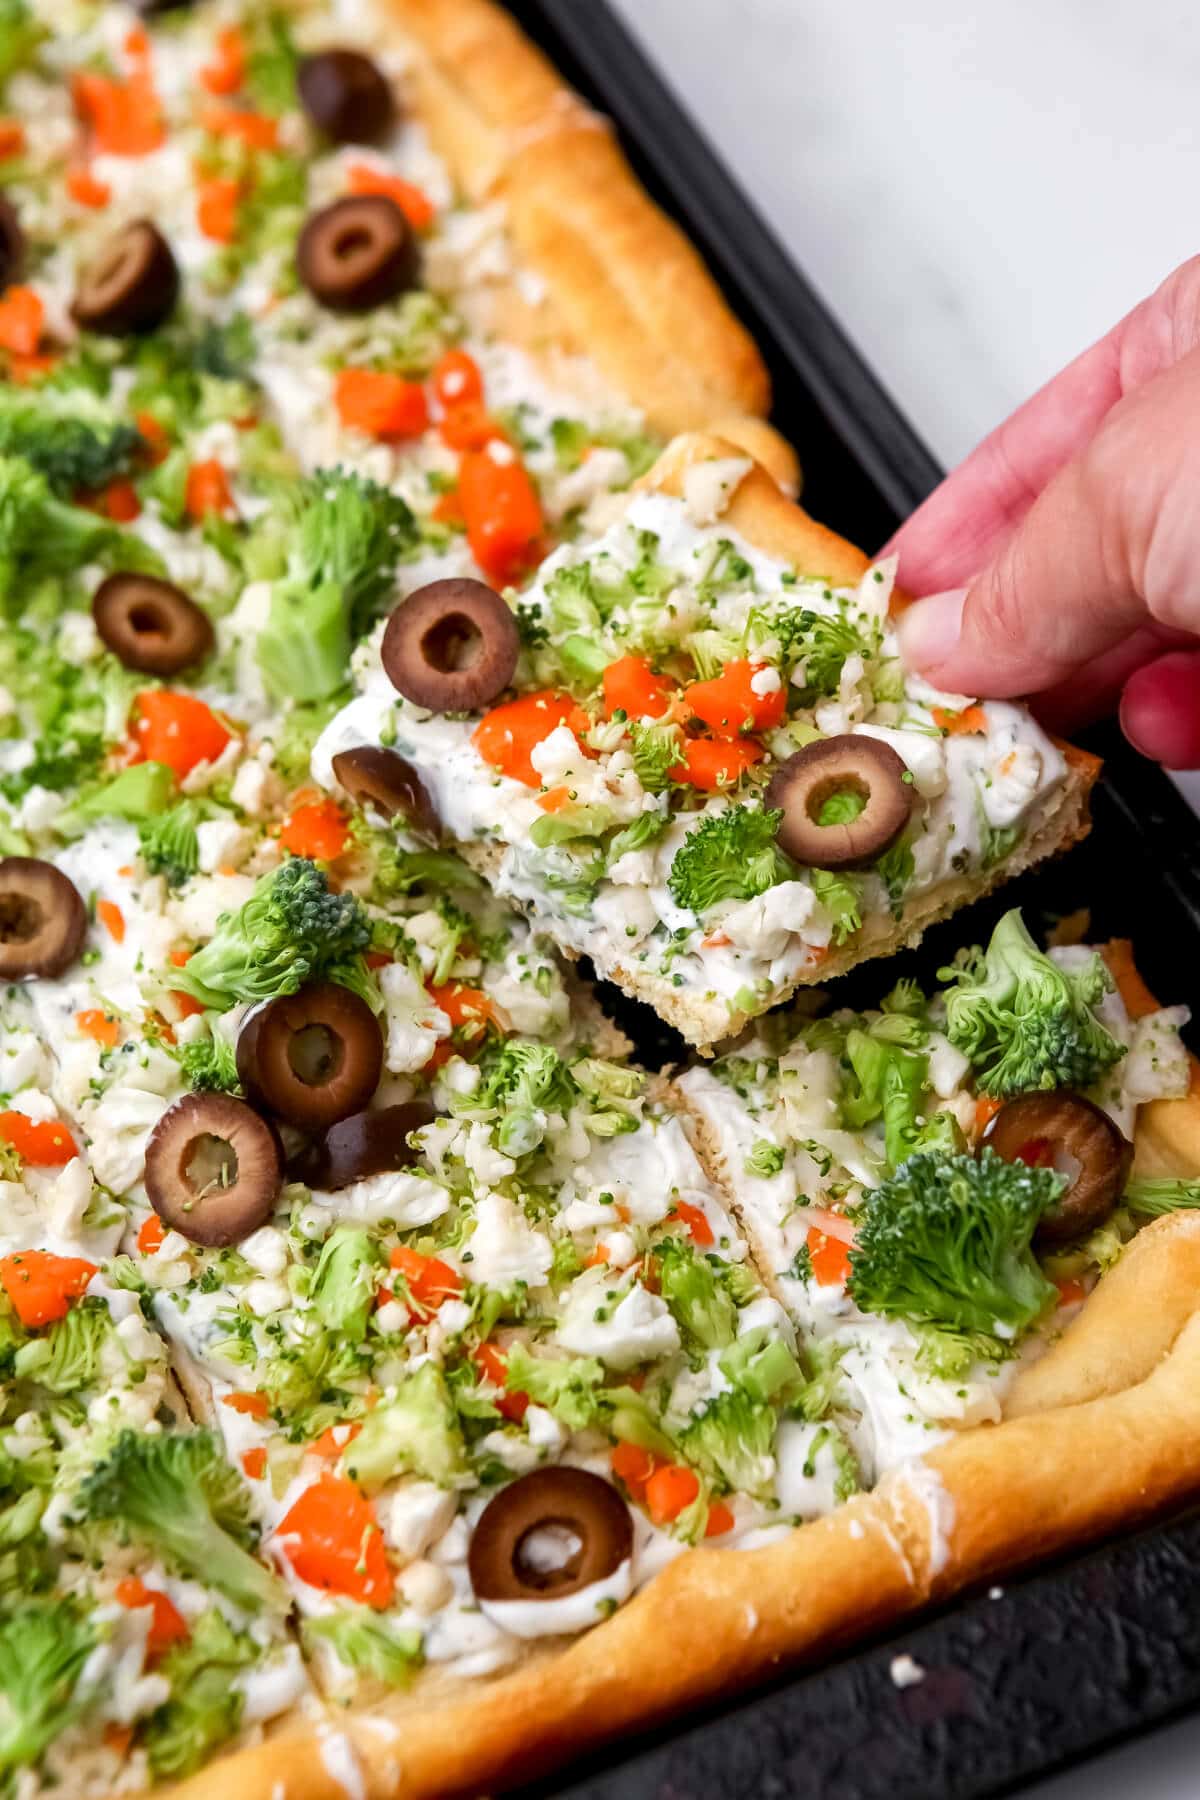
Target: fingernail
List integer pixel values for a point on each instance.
(929, 629)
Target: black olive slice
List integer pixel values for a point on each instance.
(581, 1515)
(131, 286)
(346, 96)
(43, 920)
(12, 243)
(357, 253)
(1064, 1131)
(452, 646)
(150, 625)
(378, 777)
(213, 1169)
(365, 1144)
(852, 764)
(311, 1057)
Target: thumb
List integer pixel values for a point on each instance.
(1110, 545)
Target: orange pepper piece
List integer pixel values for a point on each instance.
(45, 1143)
(669, 1491)
(380, 404)
(457, 380)
(332, 1539)
(729, 704)
(503, 514)
(316, 829)
(112, 919)
(150, 1236)
(21, 319)
(631, 686)
(507, 735)
(177, 729)
(711, 764)
(830, 1257)
(95, 1023)
(493, 1365)
(227, 70)
(167, 1625)
(217, 199)
(207, 490)
(698, 1227)
(42, 1286)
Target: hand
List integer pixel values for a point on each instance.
(1062, 559)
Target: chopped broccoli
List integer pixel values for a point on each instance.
(840, 896)
(176, 1494)
(42, 1653)
(368, 1644)
(342, 537)
(946, 1241)
(136, 794)
(273, 62)
(523, 1082)
(646, 829)
(565, 1386)
(169, 844)
(896, 869)
(72, 438)
(1024, 1022)
(689, 1284)
(730, 855)
(209, 1065)
(414, 1429)
(40, 534)
(891, 1081)
(344, 1283)
(614, 1093)
(205, 1707)
(822, 643)
(395, 871)
(765, 1158)
(69, 1355)
(732, 1441)
(763, 1366)
(20, 36)
(1150, 1198)
(291, 930)
(657, 750)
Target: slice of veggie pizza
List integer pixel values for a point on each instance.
(139, 1628)
(935, 1186)
(715, 779)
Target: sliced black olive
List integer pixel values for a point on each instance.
(313, 1056)
(43, 920)
(451, 646)
(357, 253)
(375, 776)
(151, 625)
(568, 1509)
(346, 96)
(862, 767)
(365, 1144)
(1064, 1131)
(12, 243)
(131, 286)
(150, 9)
(213, 1169)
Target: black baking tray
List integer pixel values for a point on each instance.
(1024, 1679)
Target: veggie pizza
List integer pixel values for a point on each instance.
(401, 1389)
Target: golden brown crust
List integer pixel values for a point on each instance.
(621, 282)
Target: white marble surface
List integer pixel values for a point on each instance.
(978, 191)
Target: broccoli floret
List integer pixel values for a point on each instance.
(822, 644)
(40, 534)
(765, 1158)
(946, 1241)
(523, 1082)
(1024, 1022)
(731, 855)
(67, 1356)
(209, 1065)
(176, 1494)
(699, 1301)
(343, 537)
(657, 749)
(72, 438)
(367, 1643)
(169, 844)
(646, 829)
(205, 1707)
(344, 1283)
(614, 1094)
(565, 1386)
(42, 1653)
(291, 930)
(415, 1429)
(732, 1441)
